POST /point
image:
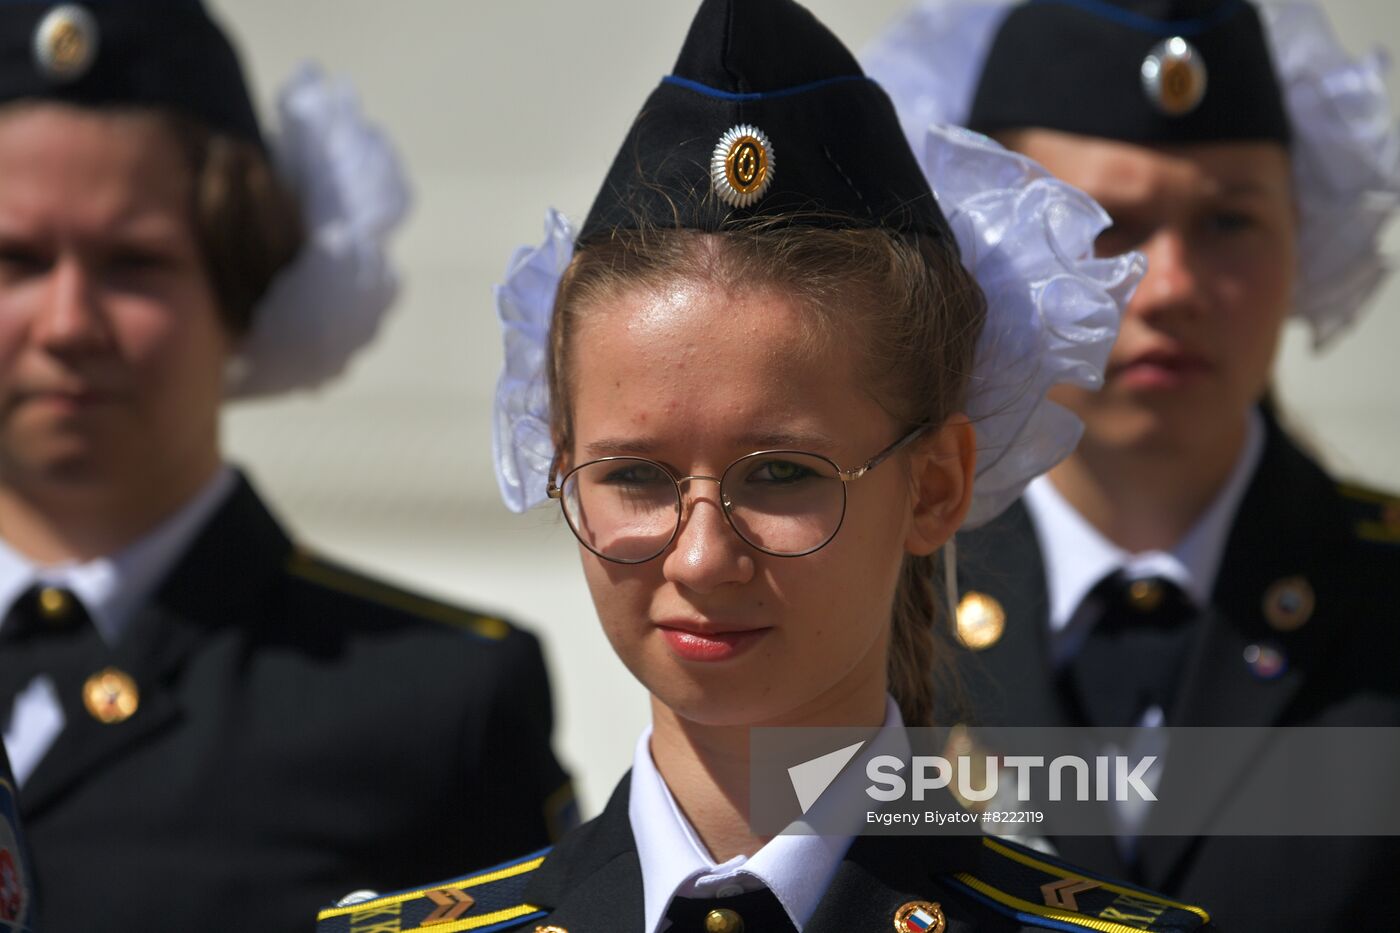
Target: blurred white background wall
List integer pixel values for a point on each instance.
(501, 111)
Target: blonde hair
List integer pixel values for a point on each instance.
(912, 309)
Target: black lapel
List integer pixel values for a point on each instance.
(1290, 524)
(592, 881)
(217, 582)
(1011, 682)
(881, 873)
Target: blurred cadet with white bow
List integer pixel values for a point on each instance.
(1190, 564)
(191, 698)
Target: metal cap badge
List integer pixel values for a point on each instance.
(1174, 77)
(65, 42)
(741, 168)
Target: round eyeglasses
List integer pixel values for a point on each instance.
(787, 503)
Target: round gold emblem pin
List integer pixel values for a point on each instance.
(111, 696)
(1174, 77)
(1289, 603)
(919, 917)
(1266, 661)
(65, 42)
(981, 621)
(742, 165)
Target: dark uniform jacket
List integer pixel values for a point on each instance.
(18, 908)
(301, 731)
(1340, 668)
(592, 883)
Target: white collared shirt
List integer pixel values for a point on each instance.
(112, 589)
(1077, 556)
(796, 868)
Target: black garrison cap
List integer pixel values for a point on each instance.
(1149, 71)
(150, 53)
(766, 113)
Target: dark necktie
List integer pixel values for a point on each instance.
(47, 631)
(1133, 656)
(753, 912)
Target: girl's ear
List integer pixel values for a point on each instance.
(942, 464)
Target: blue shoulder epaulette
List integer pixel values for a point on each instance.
(321, 572)
(1038, 890)
(482, 901)
(1375, 514)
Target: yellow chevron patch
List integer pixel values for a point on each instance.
(468, 903)
(1022, 885)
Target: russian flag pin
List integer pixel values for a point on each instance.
(919, 917)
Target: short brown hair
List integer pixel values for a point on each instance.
(247, 222)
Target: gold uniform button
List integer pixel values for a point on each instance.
(55, 605)
(1289, 603)
(723, 920)
(981, 621)
(111, 696)
(550, 929)
(1145, 595)
(919, 917)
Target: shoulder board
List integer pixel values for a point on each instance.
(1375, 515)
(483, 901)
(316, 570)
(1039, 891)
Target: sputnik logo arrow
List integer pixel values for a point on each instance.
(811, 778)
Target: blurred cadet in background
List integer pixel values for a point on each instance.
(191, 698)
(1190, 564)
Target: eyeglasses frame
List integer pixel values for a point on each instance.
(556, 491)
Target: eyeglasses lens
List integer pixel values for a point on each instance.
(628, 510)
(624, 510)
(785, 503)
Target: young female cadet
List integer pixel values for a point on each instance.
(765, 269)
(191, 698)
(1190, 564)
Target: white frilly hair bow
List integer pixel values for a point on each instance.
(329, 302)
(1346, 149)
(1052, 316)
